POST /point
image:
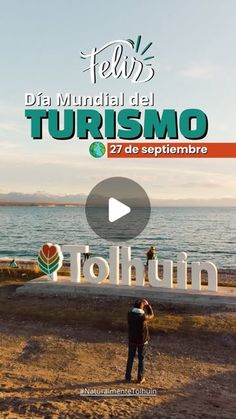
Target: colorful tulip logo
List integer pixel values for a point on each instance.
(50, 259)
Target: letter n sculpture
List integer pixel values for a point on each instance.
(50, 260)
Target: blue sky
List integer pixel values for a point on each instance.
(194, 48)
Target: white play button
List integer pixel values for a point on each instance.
(117, 209)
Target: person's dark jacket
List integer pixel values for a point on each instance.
(137, 325)
(151, 254)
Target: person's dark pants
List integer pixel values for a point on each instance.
(131, 354)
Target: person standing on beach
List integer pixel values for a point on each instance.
(138, 337)
(13, 264)
(151, 254)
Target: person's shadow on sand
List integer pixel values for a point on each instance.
(186, 397)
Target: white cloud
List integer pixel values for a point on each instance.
(199, 72)
(10, 127)
(203, 184)
(10, 110)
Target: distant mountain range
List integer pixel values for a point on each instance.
(41, 199)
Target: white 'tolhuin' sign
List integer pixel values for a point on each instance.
(111, 269)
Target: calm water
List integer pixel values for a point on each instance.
(204, 233)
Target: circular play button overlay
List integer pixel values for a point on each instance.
(118, 209)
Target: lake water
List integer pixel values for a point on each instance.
(204, 233)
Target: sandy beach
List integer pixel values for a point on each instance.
(56, 351)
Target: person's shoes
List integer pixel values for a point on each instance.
(127, 380)
(141, 380)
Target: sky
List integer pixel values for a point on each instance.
(195, 64)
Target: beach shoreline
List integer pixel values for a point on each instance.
(53, 348)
